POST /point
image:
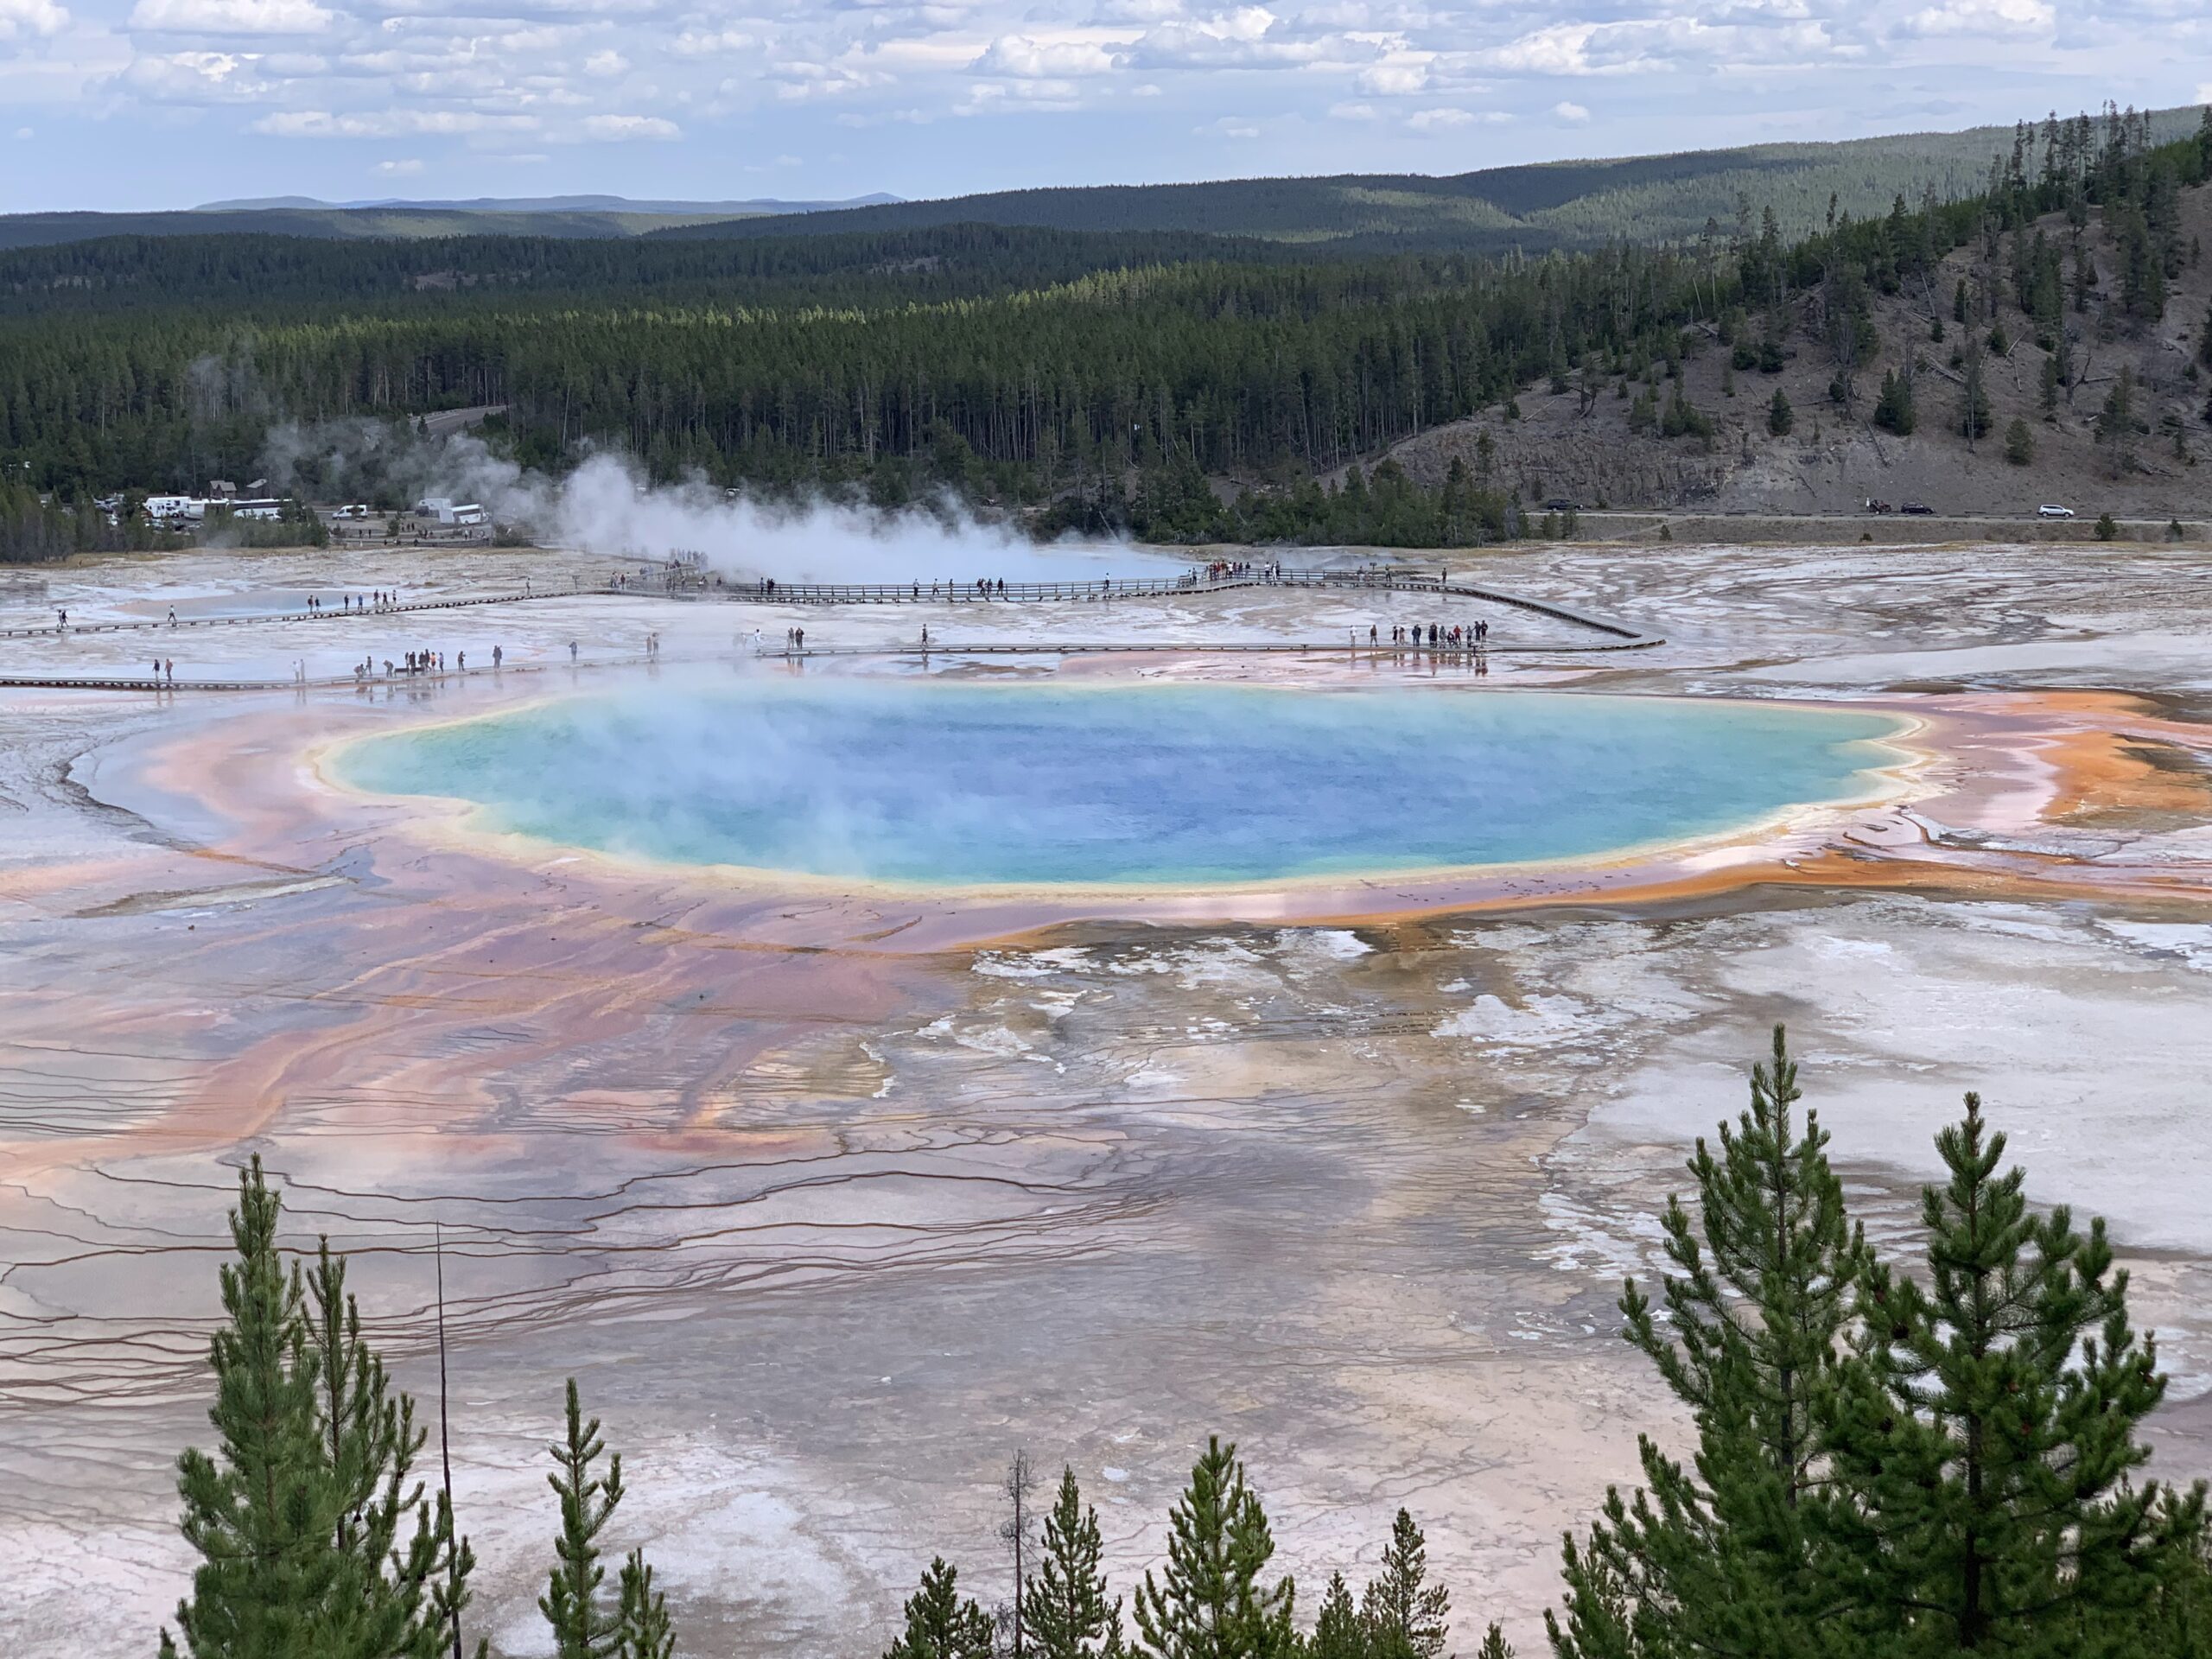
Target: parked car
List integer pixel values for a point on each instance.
(1872, 505)
(1918, 509)
(1560, 503)
(2052, 509)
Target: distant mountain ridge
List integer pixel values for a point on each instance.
(542, 204)
(1531, 208)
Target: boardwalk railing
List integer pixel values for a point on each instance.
(1101, 588)
(1398, 580)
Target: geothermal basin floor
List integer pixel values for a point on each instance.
(825, 1231)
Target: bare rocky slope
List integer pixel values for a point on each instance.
(1834, 459)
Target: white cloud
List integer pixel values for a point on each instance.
(1393, 79)
(1633, 46)
(695, 43)
(189, 78)
(1354, 112)
(231, 17)
(1984, 17)
(1245, 37)
(606, 64)
(1566, 112)
(400, 170)
(25, 133)
(1028, 58)
(800, 81)
(615, 129)
(40, 17)
(391, 123)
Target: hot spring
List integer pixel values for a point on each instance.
(944, 783)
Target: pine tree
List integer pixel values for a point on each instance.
(1209, 1603)
(1069, 1614)
(1780, 416)
(1893, 409)
(1975, 418)
(256, 1516)
(939, 1625)
(1985, 1435)
(581, 1628)
(1719, 1561)
(641, 1613)
(2019, 443)
(1338, 1630)
(1404, 1614)
(1495, 1646)
(2116, 423)
(298, 1516)
(370, 1442)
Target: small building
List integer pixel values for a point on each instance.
(445, 511)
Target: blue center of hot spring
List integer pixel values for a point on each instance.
(972, 784)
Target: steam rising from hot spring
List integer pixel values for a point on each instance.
(607, 506)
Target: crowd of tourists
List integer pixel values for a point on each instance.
(414, 663)
(1457, 636)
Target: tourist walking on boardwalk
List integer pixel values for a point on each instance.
(572, 653)
(168, 667)
(498, 654)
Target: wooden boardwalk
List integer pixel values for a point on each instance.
(1107, 589)
(1441, 653)
(165, 626)
(1613, 636)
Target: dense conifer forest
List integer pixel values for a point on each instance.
(1183, 387)
(1892, 1452)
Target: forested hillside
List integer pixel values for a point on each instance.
(268, 277)
(1102, 381)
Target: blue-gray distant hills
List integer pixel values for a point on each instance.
(542, 204)
(559, 216)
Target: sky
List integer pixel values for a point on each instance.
(147, 103)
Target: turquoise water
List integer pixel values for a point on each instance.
(967, 785)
